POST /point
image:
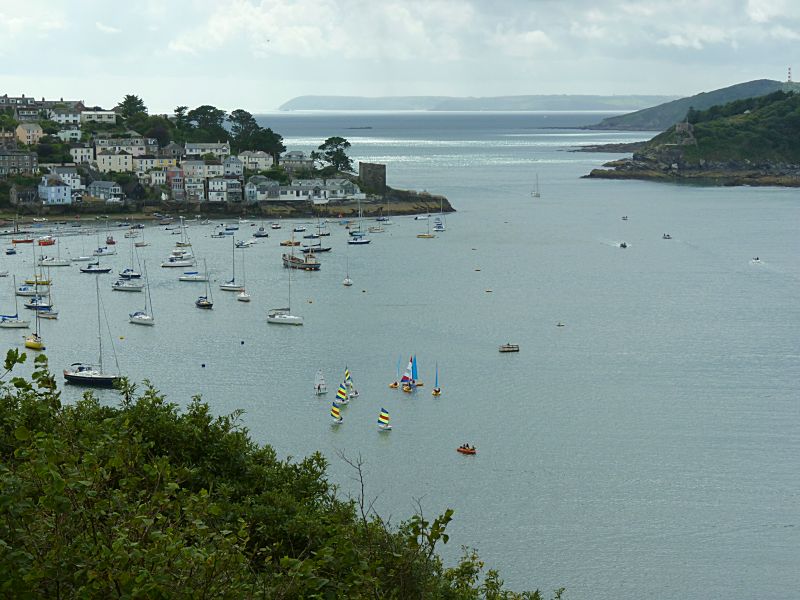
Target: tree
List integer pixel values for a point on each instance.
(206, 117)
(181, 119)
(334, 154)
(271, 143)
(243, 128)
(131, 106)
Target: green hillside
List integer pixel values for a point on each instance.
(659, 118)
(759, 130)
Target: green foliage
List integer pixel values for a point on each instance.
(131, 106)
(7, 120)
(51, 149)
(759, 130)
(143, 500)
(334, 154)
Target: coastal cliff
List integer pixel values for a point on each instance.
(755, 141)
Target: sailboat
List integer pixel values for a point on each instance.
(144, 316)
(341, 395)
(383, 420)
(88, 374)
(184, 241)
(206, 301)
(410, 381)
(437, 391)
(54, 261)
(358, 238)
(336, 414)
(536, 193)
(141, 243)
(320, 387)
(243, 296)
(13, 321)
(427, 235)
(353, 392)
(438, 224)
(284, 316)
(347, 281)
(34, 341)
(232, 286)
(396, 383)
(48, 312)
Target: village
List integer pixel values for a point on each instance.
(106, 166)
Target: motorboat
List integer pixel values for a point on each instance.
(47, 240)
(28, 290)
(129, 273)
(469, 450)
(52, 261)
(193, 276)
(666, 236)
(509, 347)
(244, 243)
(127, 285)
(261, 232)
(275, 225)
(289, 243)
(104, 251)
(179, 261)
(95, 268)
(358, 241)
(308, 262)
(11, 251)
(231, 286)
(38, 303)
(308, 249)
(204, 302)
(299, 228)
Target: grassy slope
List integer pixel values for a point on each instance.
(659, 118)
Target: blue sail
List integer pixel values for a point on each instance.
(414, 374)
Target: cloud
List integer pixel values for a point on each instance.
(106, 28)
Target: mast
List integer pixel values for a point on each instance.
(99, 334)
(147, 283)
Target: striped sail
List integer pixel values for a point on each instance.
(335, 412)
(383, 417)
(341, 394)
(347, 378)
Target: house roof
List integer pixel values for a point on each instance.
(30, 126)
(103, 184)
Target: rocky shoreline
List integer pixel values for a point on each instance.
(706, 173)
(393, 202)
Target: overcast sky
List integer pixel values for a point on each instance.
(257, 54)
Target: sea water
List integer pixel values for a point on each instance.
(646, 449)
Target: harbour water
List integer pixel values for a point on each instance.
(647, 449)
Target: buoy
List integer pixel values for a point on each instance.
(363, 291)
(203, 365)
(242, 342)
(477, 269)
(310, 301)
(122, 337)
(488, 291)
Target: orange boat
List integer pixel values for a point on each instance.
(467, 450)
(110, 240)
(47, 240)
(21, 240)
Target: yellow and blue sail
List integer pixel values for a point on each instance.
(341, 393)
(335, 412)
(383, 417)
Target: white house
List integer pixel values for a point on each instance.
(260, 189)
(68, 175)
(233, 167)
(98, 116)
(220, 150)
(65, 116)
(117, 162)
(224, 189)
(195, 188)
(82, 153)
(53, 191)
(320, 191)
(257, 160)
(296, 160)
(136, 146)
(158, 177)
(70, 135)
(105, 190)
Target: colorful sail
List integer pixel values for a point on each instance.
(414, 374)
(341, 394)
(407, 375)
(335, 412)
(347, 378)
(383, 417)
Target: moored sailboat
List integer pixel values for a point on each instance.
(89, 374)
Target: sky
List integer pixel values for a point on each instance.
(258, 54)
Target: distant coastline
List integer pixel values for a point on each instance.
(552, 102)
